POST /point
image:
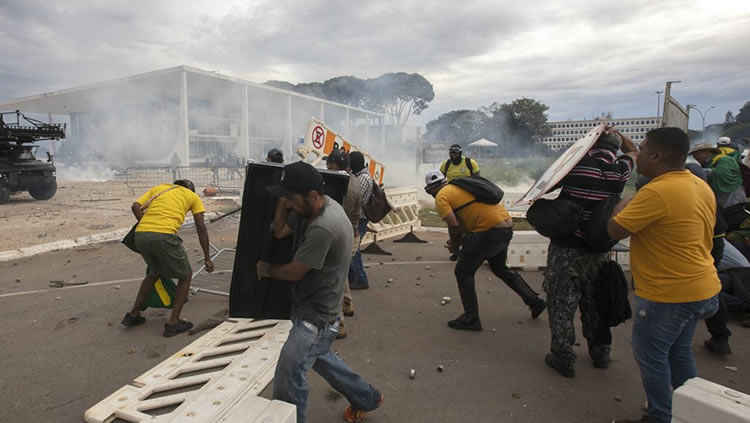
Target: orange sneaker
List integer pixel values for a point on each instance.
(356, 416)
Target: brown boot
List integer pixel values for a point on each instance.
(342, 330)
(347, 309)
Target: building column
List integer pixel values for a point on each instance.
(322, 112)
(347, 125)
(245, 123)
(183, 124)
(289, 120)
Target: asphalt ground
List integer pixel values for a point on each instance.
(62, 350)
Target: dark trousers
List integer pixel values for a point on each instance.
(490, 245)
(717, 324)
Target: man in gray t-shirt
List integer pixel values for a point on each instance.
(319, 270)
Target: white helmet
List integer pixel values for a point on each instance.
(433, 178)
(723, 140)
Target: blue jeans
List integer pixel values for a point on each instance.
(309, 346)
(357, 275)
(662, 346)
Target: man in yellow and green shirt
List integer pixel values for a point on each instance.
(160, 213)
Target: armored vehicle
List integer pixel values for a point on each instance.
(20, 170)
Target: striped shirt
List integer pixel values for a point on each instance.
(365, 187)
(596, 177)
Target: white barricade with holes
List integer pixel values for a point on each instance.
(404, 217)
(209, 380)
(699, 401)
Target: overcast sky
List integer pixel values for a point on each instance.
(579, 57)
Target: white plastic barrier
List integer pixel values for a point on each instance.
(700, 401)
(206, 380)
(404, 217)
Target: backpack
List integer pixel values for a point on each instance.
(611, 293)
(378, 206)
(483, 190)
(595, 233)
(467, 161)
(555, 219)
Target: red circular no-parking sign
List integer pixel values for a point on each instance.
(317, 137)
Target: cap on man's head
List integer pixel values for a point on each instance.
(724, 140)
(297, 178)
(704, 146)
(455, 148)
(356, 161)
(433, 179)
(275, 155)
(338, 157)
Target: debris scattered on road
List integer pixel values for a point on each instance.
(516, 395)
(731, 368)
(44, 235)
(419, 278)
(418, 258)
(494, 330)
(109, 323)
(618, 398)
(18, 280)
(131, 350)
(58, 298)
(117, 286)
(427, 267)
(445, 300)
(390, 280)
(412, 374)
(440, 368)
(60, 284)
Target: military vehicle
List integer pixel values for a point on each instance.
(20, 170)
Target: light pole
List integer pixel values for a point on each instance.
(703, 114)
(658, 102)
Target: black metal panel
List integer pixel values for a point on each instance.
(266, 298)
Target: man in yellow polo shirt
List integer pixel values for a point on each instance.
(670, 221)
(488, 230)
(160, 213)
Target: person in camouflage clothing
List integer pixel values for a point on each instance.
(572, 267)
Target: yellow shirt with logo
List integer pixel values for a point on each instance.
(167, 212)
(460, 170)
(475, 217)
(672, 220)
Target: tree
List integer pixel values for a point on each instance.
(457, 127)
(398, 95)
(744, 115)
(729, 118)
(524, 119)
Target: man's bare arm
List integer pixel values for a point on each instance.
(279, 228)
(200, 227)
(292, 272)
(137, 210)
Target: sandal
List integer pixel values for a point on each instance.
(179, 327)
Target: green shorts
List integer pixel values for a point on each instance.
(163, 254)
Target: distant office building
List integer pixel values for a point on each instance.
(565, 133)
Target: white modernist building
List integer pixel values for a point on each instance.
(184, 115)
(565, 133)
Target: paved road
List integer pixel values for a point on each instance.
(63, 349)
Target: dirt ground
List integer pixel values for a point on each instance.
(78, 209)
(63, 350)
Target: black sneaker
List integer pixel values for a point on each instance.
(179, 327)
(129, 320)
(359, 286)
(717, 346)
(462, 324)
(538, 308)
(566, 370)
(455, 256)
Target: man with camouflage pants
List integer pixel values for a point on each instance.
(572, 268)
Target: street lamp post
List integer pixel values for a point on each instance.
(658, 102)
(703, 114)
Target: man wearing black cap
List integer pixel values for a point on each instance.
(339, 160)
(318, 270)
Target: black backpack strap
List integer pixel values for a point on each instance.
(467, 160)
(447, 165)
